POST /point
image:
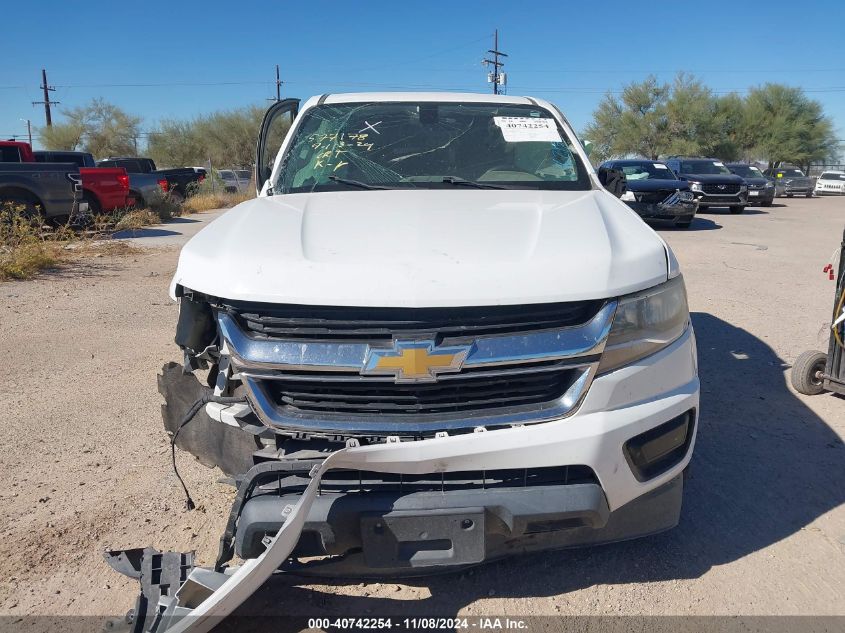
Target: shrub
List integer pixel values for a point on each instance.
(23, 249)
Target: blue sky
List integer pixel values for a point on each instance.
(570, 53)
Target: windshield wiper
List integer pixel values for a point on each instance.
(355, 183)
(454, 180)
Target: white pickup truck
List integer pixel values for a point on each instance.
(438, 318)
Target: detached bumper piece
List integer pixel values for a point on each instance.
(415, 524)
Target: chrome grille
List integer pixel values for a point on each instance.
(466, 392)
(720, 190)
(308, 376)
(329, 323)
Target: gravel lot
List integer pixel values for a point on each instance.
(86, 461)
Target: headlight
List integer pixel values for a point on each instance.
(645, 322)
(628, 196)
(686, 196)
(769, 184)
(695, 186)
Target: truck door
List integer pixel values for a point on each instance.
(274, 128)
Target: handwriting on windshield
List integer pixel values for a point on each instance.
(330, 149)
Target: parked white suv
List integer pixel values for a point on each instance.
(436, 310)
(830, 182)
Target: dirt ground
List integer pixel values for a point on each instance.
(86, 467)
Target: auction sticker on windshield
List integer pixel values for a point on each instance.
(521, 129)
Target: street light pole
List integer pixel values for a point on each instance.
(28, 130)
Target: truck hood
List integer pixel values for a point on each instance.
(424, 248)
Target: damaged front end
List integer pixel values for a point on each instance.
(392, 441)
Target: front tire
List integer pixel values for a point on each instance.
(737, 209)
(809, 194)
(806, 376)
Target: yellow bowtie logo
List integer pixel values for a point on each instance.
(414, 361)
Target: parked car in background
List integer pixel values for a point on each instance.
(712, 184)
(15, 152)
(230, 180)
(244, 175)
(179, 179)
(830, 182)
(760, 189)
(104, 188)
(53, 189)
(655, 192)
(790, 181)
(82, 159)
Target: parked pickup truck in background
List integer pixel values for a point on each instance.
(179, 179)
(104, 188)
(143, 186)
(53, 189)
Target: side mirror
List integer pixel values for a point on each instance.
(613, 180)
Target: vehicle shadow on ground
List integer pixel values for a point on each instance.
(726, 211)
(181, 220)
(765, 466)
(140, 233)
(698, 224)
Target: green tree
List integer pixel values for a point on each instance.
(176, 144)
(99, 127)
(787, 126)
(697, 125)
(227, 138)
(634, 123)
(63, 136)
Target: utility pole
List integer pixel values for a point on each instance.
(279, 83)
(47, 103)
(495, 77)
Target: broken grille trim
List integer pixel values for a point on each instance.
(487, 350)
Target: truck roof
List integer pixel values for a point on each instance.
(448, 97)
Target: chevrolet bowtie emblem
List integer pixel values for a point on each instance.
(414, 361)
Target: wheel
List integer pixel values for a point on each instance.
(683, 224)
(737, 209)
(789, 195)
(809, 194)
(30, 206)
(767, 203)
(807, 372)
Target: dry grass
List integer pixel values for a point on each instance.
(28, 246)
(132, 220)
(23, 249)
(206, 201)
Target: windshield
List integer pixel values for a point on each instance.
(646, 170)
(225, 174)
(831, 176)
(429, 145)
(791, 173)
(747, 171)
(703, 167)
(243, 174)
